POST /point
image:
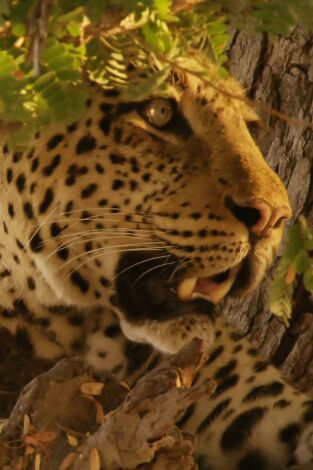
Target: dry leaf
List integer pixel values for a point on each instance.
(68, 461)
(26, 424)
(95, 463)
(178, 382)
(37, 464)
(72, 440)
(92, 388)
(43, 437)
(125, 385)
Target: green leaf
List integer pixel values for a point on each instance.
(301, 262)
(4, 7)
(141, 90)
(280, 299)
(308, 279)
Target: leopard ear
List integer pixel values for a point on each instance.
(249, 114)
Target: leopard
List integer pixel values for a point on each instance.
(122, 231)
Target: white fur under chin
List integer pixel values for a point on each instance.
(171, 335)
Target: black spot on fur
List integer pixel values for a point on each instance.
(112, 331)
(20, 305)
(31, 283)
(76, 319)
(5, 273)
(117, 184)
(20, 182)
(214, 414)
(282, 404)
(9, 175)
(23, 340)
(260, 366)
(47, 200)
(11, 211)
(133, 185)
(102, 202)
(49, 169)
(72, 127)
(106, 107)
(134, 165)
(85, 217)
(253, 460)
(34, 165)
(253, 352)
(28, 210)
(80, 281)
(63, 252)
(117, 159)
(86, 144)
(89, 190)
(117, 135)
(36, 243)
(17, 156)
(16, 259)
(215, 354)
(31, 153)
(105, 125)
(289, 435)
(146, 177)
(240, 428)
(224, 371)
(99, 168)
(55, 141)
(104, 281)
(237, 348)
(228, 383)
(70, 180)
(69, 207)
(55, 229)
(20, 244)
(262, 391)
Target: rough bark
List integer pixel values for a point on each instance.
(281, 75)
(125, 428)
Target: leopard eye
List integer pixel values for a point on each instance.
(158, 112)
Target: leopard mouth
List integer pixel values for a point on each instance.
(212, 288)
(146, 291)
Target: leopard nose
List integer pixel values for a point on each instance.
(258, 216)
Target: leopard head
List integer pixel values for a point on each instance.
(159, 207)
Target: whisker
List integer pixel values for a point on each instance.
(138, 263)
(68, 244)
(102, 249)
(152, 269)
(117, 231)
(91, 258)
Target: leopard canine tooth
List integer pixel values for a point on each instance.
(185, 288)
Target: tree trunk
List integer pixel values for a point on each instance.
(281, 75)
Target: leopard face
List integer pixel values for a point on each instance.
(159, 208)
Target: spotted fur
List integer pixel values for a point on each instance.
(103, 219)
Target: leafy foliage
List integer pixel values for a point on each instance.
(296, 262)
(48, 47)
